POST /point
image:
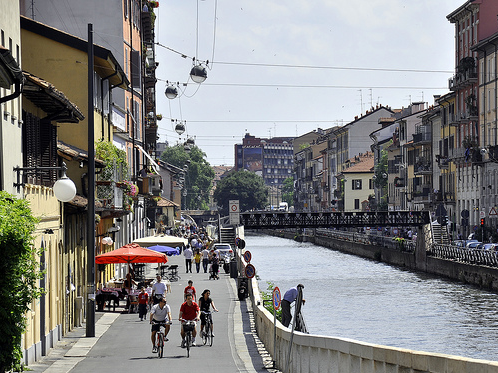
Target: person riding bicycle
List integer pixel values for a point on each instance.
(205, 302)
(158, 290)
(160, 314)
(190, 289)
(189, 310)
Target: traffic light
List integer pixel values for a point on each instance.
(482, 222)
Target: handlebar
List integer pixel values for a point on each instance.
(188, 321)
(164, 322)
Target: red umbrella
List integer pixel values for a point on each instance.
(131, 253)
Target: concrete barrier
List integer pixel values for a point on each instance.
(321, 354)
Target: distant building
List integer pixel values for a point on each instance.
(272, 159)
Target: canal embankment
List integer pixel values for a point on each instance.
(318, 353)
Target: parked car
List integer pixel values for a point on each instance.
(472, 244)
(488, 246)
(226, 254)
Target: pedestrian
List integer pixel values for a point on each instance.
(215, 265)
(290, 297)
(205, 259)
(188, 254)
(143, 298)
(197, 260)
(189, 290)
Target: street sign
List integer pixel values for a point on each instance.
(482, 214)
(276, 298)
(492, 212)
(247, 256)
(250, 271)
(234, 212)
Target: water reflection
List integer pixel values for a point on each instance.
(351, 297)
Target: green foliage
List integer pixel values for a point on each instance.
(245, 186)
(198, 178)
(288, 191)
(115, 159)
(267, 300)
(20, 273)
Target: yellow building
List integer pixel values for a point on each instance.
(358, 182)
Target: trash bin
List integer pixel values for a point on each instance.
(233, 268)
(242, 288)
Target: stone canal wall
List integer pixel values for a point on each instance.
(308, 353)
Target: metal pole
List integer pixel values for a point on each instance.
(274, 335)
(90, 310)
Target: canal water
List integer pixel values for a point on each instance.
(351, 297)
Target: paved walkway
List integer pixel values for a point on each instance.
(122, 342)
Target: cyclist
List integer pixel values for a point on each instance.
(158, 290)
(190, 290)
(205, 302)
(189, 310)
(159, 314)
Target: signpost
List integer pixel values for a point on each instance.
(276, 300)
(250, 271)
(234, 212)
(247, 256)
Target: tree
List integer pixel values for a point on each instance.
(19, 277)
(198, 177)
(246, 186)
(380, 180)
(288, 191)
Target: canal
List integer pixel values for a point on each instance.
(351, 297)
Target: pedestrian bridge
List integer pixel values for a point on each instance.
(270, 219)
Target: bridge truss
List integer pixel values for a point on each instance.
(268, 219)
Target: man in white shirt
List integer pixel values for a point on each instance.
(160, 314)
(188, 254)
(158, 290)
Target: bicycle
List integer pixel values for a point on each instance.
(188, 328)
(207, 333)
(160, 336)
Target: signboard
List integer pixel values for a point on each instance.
(234, 212)
(492, 212)
(482, 214)
(247, 256)
(276, 298)
(250, 271)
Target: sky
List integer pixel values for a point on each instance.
(285, 68)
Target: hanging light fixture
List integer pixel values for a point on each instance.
(198, 74)
(190, 141)
(186, 147)
(171, 92)
(179, 128)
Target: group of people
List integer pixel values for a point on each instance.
(198, 252)
(190, 310)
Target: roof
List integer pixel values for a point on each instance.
(106, 64)
(72, 153)
(10, 72)
(53, 102)
(163, 202)
(362, 163)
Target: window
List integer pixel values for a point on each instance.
(356, 204)
(356, 184)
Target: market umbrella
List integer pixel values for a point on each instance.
(131, 253)
(164, 240)
(165, 250)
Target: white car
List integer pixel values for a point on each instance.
(223, 249)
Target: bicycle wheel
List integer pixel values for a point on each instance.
(188, 341)
(160, 345)
(204, 336)
(210, 336)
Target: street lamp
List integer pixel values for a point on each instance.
(171, 92)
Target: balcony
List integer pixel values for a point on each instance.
(442, 161)
(422, 166)
(422, 138)
(150, 185)
(463, 79)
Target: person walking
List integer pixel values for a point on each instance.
(188, 254)
(197, 260)
(290, 297)
(143, 298)
(205, 259)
